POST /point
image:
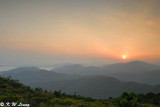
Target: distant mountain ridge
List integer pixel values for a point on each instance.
(132, 67)
(150, 77)
(29, 75)
(134, 71)
(77, 69)
(96, 86)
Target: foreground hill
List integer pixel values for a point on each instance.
(16, 94)
(13, 91)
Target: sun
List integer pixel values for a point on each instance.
(124, 56)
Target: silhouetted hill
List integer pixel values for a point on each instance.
(129, 67)
(77, 69)
(29, 75)
(16, 93)
(97, 87)
(70, 69)
(89, 86)
(135, 71)
(149, 77)
(132, 67)
(11, 90)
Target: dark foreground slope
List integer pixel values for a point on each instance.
(13, 91)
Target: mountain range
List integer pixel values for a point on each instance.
(97, 82)
(135, 71)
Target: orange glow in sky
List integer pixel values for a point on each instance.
(99, 29)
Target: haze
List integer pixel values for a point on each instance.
(79, 31)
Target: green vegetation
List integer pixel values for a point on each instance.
(13, 91)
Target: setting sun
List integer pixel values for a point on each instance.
(124, 56)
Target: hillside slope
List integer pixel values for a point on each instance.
(97, 87)
(16, 94)
(29, 75)
(88, 86)
(13, 91)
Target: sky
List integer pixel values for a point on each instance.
(46, 32)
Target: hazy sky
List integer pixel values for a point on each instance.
(79, 31)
